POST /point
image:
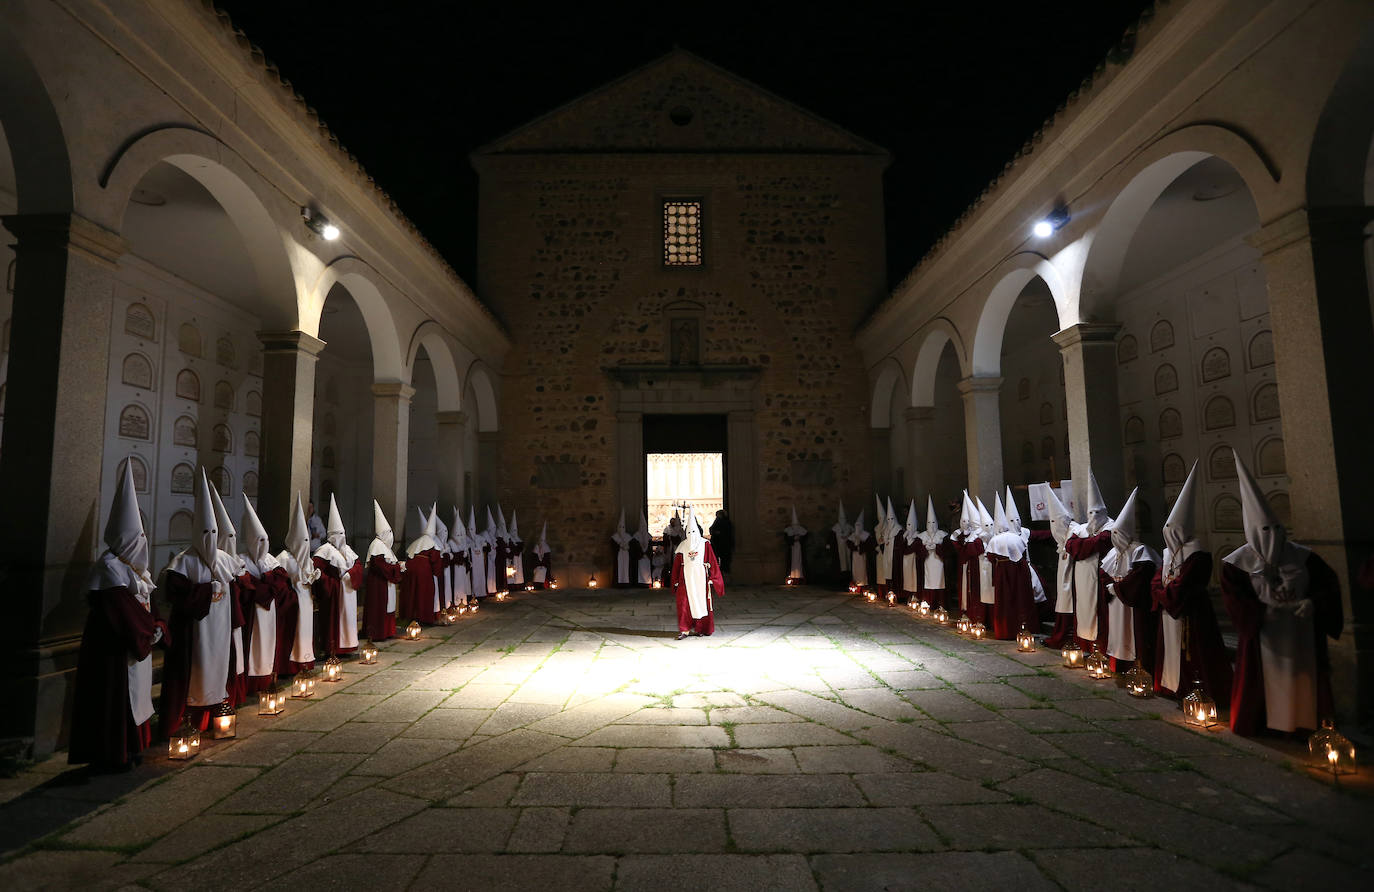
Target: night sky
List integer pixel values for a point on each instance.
(951, 89)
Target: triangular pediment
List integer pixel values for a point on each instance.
(680, 103)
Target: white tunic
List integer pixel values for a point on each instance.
(934, 565)
(303, 647)
(110, 572)
(794, 571)
(262, 654)
(209, 636)
(694, 580)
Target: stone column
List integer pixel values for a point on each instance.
(880, 459)
(919, 422)
(983, 434)
(629, 462)
(1089, 352)
(752, 563)
(288, 424)
(1320, 315)
(488, 464)
(391, 450)
(449, 460)
(50, 463)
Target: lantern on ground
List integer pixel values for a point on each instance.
(303, 685)
(367, 654)
(529, 586)
(224, 722)
(1199, 709)
(591, 581)
(963, 625)
(891, 599)
(271, 702)
(502, 594)
(553, 583)
(1097, 664)
(185, 744)
(1333, 750)
(1139, 683)
(413, 631)
(1025, 641)
(978, 630)
(1071, 654)
(871, 595)
(853, 588)
(941, 615)
(333, 670)
(473, 606)
(911, 602)
(452, 613)
(924, 609)
(657, 583)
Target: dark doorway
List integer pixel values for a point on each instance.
(684, 459)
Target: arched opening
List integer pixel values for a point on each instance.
(191, 296)
(944, 449)
(890, 454)
(1190, 296)
(422, 470)
(341, 461)
(1033, 411)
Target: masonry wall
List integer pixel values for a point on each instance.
(571, 260)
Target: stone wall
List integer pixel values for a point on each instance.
(570, 258)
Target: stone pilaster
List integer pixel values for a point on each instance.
(390, 450)
(449, 460)
(983, 434)
(288, 423)
(1089, 354)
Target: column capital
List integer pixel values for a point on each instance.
(622, 417)
(293, 341)
(918, 413)
(1277, 234)
(56, 231)
(397, 389)
(453, 417)
(1087, 333)
(980, 384)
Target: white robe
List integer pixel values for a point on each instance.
(262, 654)
(1085, 591)
(860, 565)
(622, 557)
(795, 552)
(479, 569)
(694, 580)
(841, 544)
(1120, 615)
(303, 647)
(111, 572)
(934, 565)
(209, 636)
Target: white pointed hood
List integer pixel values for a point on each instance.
(1061, 524)
(228, 536)
(1124, 528)
(1179, 541)
(913, 523)
(968, 517)
(440, 529)
(298, 542)
(381, 528)
(879, 518)
(541, 547)
(986, 525)
(426, 541)
(641, 534)
(1277, 565)
(621, 537)
(514, 528)
(124, 533)
(1013, 513)
(1097, 517)
(795, 528)
(858, 534)
(205, 528)
(692, 542)
(255, 542)
(474, 537)
(457, 533)
(999, 516)
(501, 531)
(1006, 542)
(491, 528)
(890, 520)
(424, 519)
(334, 532)
(842, 526)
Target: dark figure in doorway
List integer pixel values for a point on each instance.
(723, 540)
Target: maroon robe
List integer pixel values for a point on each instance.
(898, 582)
(968, 552)
(190, 603)
(241, 592)
(1247, 614)
(715, 586)
(1083, 548)
(1135, 590)
(866, 551)
(1015, 600)
(288, 617)
(1202, 653)
(271, 587)
(378, 624)
(416, 597)
(328, 592)
(118, 628)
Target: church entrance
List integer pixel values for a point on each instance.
(684, 462)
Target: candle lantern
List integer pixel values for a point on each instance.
(224, 723)
(1025, 641)
(367, 654)
(413, 631)
(1334, 751)
(911, 602)
(303, 685)
(871, 595)
(1199, 709)
(591, 581)
(853, 588)
(553, 583)
(1097, 664)
(978, 630)
(963, 625)
(529, 586)
(891, 599)
(657, 583)
(333, 669)
(473, 606)
(510, 571)
(271, 702)
(1072, 654)
(1139, 683)
(502, 594)
(941, 615)
(185, 744)
(924, 609)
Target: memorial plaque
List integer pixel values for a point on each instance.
(184, 431)
(225, 354)
(1264, 405)
(252, 444)
(1161, 336)
(221, 439)
(188, 385)
(179, 527)
(139, 322)
(1174, 470)
(1166, 379)
(1270, 460)
(133, 423)
(1226, 513)
(1216, 364)
(137, 371)
(1262, 349)
(1170, 424)
(183, 478)
(1127, 349)
(188, 339)
(1218, 414)
(1135, 431)
(224, 396)
(1221, 463)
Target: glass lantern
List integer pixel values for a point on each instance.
(333, 670)
(413, 631)
(502, 594)
(591, 581)
(271, 702)
(892, 599)
(185, 744)
(1071, 654)
(1333, 750)
(553, 583)
(941, 615)
(924, 609)
(1025, 641)
(871, 595)
(1199, 709)
(303, 685)
(224, 722)
(473, 606)
(1139, 683)
(853, 588)
(1097, 664)
(529, 586)
(510, 571)
(963, 625)
(978, 630)
(367, 654)
(657, 583)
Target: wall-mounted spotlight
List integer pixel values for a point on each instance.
(319, 224)
(1052, 223)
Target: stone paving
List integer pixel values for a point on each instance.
(816, 741)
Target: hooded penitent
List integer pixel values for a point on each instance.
(794, 532)
(968, 518)
(1007, 543)
(457, 533)
(934, 577)
(1179, 541)
(440, 529)
(913, 524)
(426, 540)
(1277, 566)
(298, 544)
(205, 528)
(383, 539)
(256, 547)
(1117, 562)
(1061, 524)
(644, 567)
(228, 536)
(622, 540)
(541, 547)
(1098, 518)
(694, 572)
(841, 530)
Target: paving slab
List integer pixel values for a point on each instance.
(158, 808)
(765, 761)
(666, 760)
(629, 790)
(656, 736)
(1132, 870)
(1015, 826)
(716, 790)
(972, 871)
(830, 830)
(692, 873)
(624, 830)
(539, 829)
(517, 873)
(442, 830)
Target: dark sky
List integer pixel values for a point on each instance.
(952, 89)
